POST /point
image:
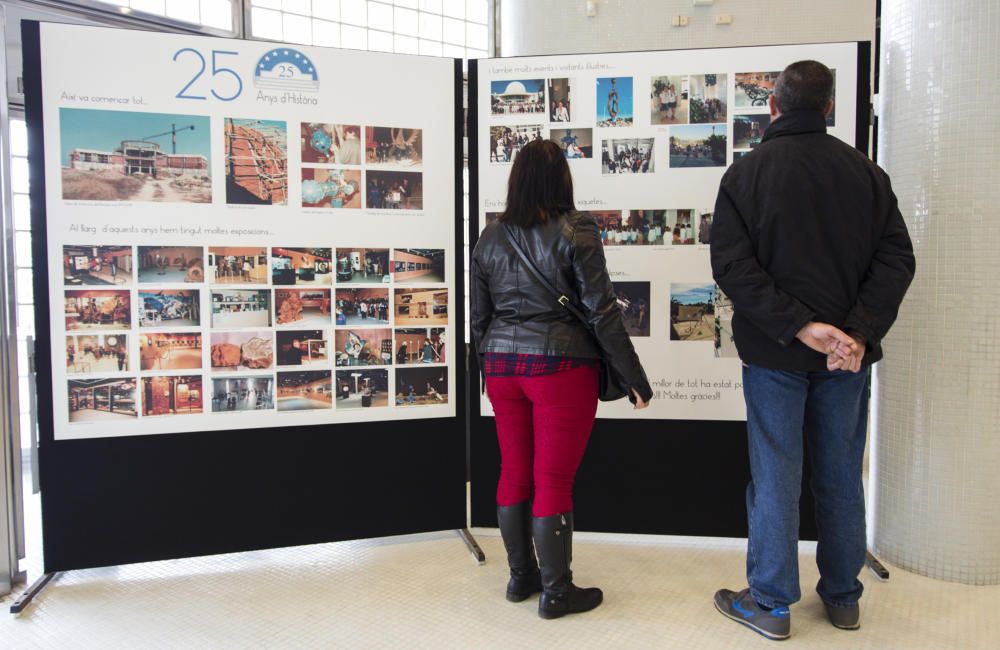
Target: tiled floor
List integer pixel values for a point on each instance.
(425, 591)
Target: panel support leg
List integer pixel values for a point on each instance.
(473, 545)
(877, 567)
(29, 595)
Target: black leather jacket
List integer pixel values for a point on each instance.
(512, 313)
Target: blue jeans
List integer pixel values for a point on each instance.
(829, 411)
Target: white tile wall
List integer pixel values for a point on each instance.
(937, 439)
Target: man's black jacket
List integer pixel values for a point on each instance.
(806, 229)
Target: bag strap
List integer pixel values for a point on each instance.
(560, 297)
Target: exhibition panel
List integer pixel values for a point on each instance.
(648, 136)
(234, 240)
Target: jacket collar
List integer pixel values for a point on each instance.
(796, 123)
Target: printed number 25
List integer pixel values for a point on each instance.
(216, 71)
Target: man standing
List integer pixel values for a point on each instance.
(809, 245)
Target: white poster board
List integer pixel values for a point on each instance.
(244, 234)
(648, 136)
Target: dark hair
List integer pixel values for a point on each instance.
(540, 186)
(804, 86)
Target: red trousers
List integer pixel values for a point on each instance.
(543, 424)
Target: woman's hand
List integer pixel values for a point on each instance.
(639, 404)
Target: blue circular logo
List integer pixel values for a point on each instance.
(288, 69)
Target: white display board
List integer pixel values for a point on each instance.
(648, 136)
(245, 234)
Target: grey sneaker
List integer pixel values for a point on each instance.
(845, 618)
(741, 607)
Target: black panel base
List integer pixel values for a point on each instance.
(473, 545)
(876, 567)
(28, 596)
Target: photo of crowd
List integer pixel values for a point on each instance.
(362, 307)
(253, 350)
(362, 388)
(170, 351)
(159, 264)
(330, 144)
(707, 98)
(97, 353)
(627, 156)
(614, 101)
(668, 99)
(301, 266)
(507, 141)
(254, 393)
(98, 309)
(517, 97)
(303, 348)
(692, 312)
(420, 345)
(363, 347)
(169, 308)
(394, 147)
(101, 400)
(363, 266)
(392, 190)
(241, 308)
(97, 265)
(421, 386)
(305, 390)
(640, 228)
(575, 143)
(748, 130)
(302, 307)
(560, 107)
(237, 264)
(331, 188)
(681, 227)
(633, 300)
(698, 145)
(754, 88)
(173, 395)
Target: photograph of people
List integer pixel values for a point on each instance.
(254, 393)
(545, 403)
(330, 144)
(517, 97)
(418, 265)
(241, 308)
(698, 145)
(749, 129)
(303, 348)
(133, 156)
(362, 307)
(170, 351)
(237, 265)
(391, 190)
(363, 266)
(302, 307)
(642, 227)
(301, 266)
(101, 400)
(363, 347)
(421, 386)
(608, 223)
(708, 98)
(705, 226)
(680, 227)
(97, 265)
(754, 88)
(627, 156)
(668, 98)
(394, 147)
(614, 101)
(420, 345)
(103, 353)
(98, 309)
(253, 350)
(256, 161)
(174, 395)
(506, 141)
(300, 391)
(575, 143)
(331, 188)
(423, 306)
(160, 264)
(692, 312)
(362, 388)
(633, 300)
(560, 109)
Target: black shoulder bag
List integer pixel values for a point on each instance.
(610, 386)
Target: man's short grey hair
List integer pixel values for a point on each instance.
(804, 86)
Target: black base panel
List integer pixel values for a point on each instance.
(663, 477)
(117, 501)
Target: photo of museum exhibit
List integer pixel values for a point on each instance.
(357, 388)
(250, 350)
(92, 353)
(301, 266)
(420, 306)
(614, 102)
(170, 351)
(256, 161)
(330, 144)
(237, 265)
(302, 307)
(363, 347)
(97, 265)
(394, 147)
(421, 386)
(173, 395)
(98, 309)
(241, 308)
(575, 143)
(175, 264)
(331, 188)
(420, 345)
(303, 348)
(418, 265)
(254, 393)
(300, 391)
(363, 265)
(170, 308)
(100, 400)
(362, 307)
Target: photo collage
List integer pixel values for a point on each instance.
(344, 166)
(175, 330)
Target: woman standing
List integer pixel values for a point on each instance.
(541, 366)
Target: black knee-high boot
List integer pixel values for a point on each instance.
(554, 541)
(515, 528)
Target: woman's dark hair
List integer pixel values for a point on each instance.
(540, 186)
